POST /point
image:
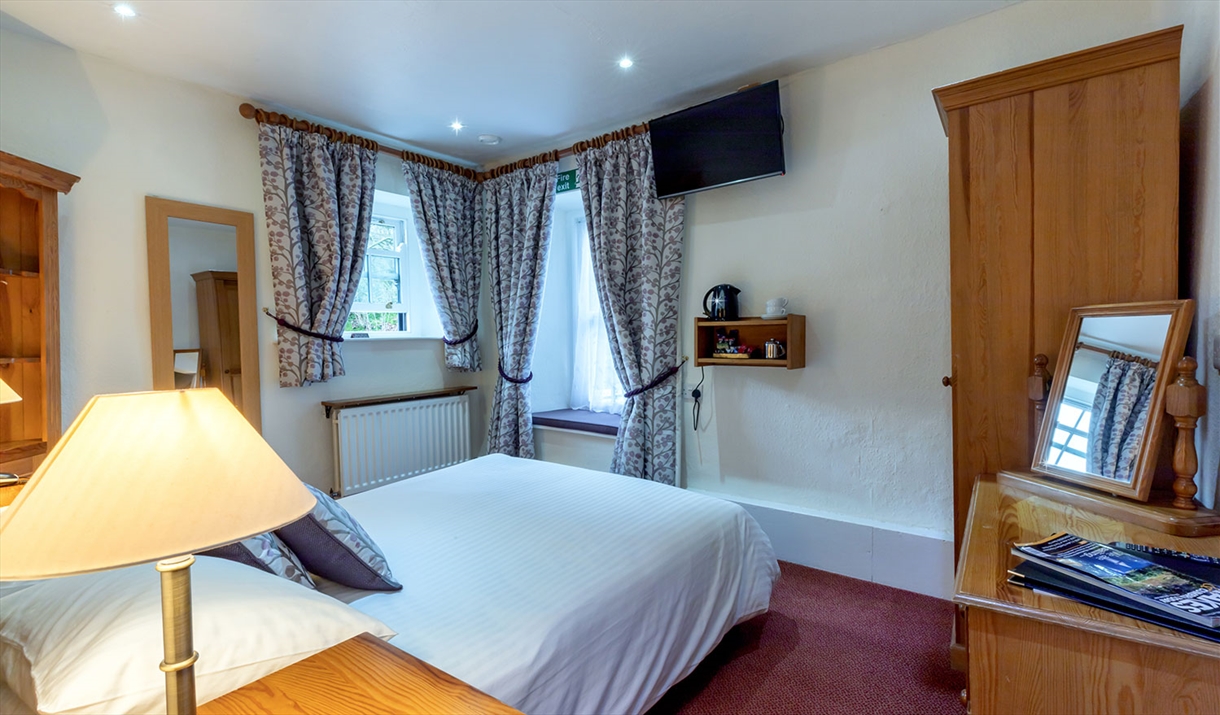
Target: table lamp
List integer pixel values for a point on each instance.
(8, 394)
(150, 477)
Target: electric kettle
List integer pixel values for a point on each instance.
(723, 303)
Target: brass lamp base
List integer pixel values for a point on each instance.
(180, 655)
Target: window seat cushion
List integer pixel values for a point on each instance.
(579, 421)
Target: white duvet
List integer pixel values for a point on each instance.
(561, 590)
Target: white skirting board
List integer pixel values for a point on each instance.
(912, 561)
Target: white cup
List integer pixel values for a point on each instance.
(777, 306)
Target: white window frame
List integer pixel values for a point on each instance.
(1059, 449)
(396, 213)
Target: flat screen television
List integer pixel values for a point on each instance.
(725, 141)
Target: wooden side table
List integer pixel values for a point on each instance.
(1040, 654)
(363, 675)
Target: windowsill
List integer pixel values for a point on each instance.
(382, 338)
(597, 423)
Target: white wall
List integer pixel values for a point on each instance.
(1200, 221)
(127, 135)
(857, 237)
(577, 449)
(195, 247)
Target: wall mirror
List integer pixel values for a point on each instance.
(1106, 407)
(202, 297)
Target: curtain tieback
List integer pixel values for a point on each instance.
(298, 329)
(657, 380)
(459, 341)
(513, 380)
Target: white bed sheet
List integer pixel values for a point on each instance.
(560, 590)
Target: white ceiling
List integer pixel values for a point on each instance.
(541, 74)
(1142, 335)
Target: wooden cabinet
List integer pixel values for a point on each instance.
(1063, 192)
(219, 332)
(29, 309)
(363, 675)
(788, 330)
(1034, 653)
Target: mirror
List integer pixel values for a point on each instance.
(202, 301)
(1104, 415)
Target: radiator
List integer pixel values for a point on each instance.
(379, 444)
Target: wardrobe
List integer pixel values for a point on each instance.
(1063, 192)
(220, 332)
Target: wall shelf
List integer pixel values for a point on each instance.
(21, 449)
(789, 330)
(18, 273)
(15, 360)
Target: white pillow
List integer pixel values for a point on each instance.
(92, 643)
(7, 587)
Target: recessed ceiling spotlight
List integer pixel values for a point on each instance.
(125, 10)
(457, 126)
(489, 139)
(625, 63)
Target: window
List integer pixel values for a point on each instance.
(595, 383)
(393, 299)
(380, 306)
(1070, 438)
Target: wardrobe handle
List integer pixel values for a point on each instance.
(947, 381)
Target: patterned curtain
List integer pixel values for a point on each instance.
(517, 211)
(444, 205)
(636, 242)
(1120, 411)
(318, 197)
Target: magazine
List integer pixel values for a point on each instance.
(1127, 575)
(1029, 574)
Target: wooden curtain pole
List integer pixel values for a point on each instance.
(1116, 354)
(249, 111)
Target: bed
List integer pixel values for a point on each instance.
(551, 588)
(557, 589)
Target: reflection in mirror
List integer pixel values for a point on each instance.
(203, 300)
(1103, 413)
(186, 369)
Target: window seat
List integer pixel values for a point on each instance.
(579, 421)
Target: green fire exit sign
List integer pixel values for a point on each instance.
(566, 181)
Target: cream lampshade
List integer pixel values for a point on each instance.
(144, 477)
(8, 394)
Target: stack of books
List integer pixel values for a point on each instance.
(1169, 588)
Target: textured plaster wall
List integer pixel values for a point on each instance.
(856, 236)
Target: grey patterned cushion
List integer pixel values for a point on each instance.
(266, 552)
(331, 544)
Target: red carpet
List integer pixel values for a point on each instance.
(830, 644)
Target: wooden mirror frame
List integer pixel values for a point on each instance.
(157, 213)
(1181, 313)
